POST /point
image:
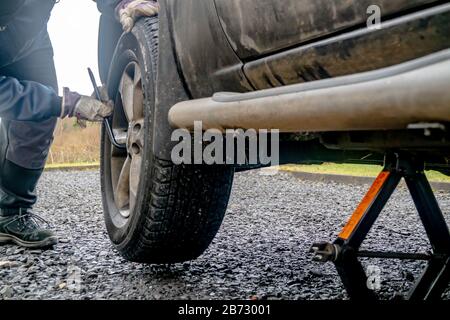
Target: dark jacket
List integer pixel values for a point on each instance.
(22, 33)
(107, 6)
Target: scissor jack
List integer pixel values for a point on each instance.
(344, 252)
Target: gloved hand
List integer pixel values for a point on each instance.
(128, 11)
(86, 108)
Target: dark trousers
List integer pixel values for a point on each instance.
(24, 146)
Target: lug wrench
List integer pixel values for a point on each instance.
(106, 121)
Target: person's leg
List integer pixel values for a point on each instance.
(25, 145)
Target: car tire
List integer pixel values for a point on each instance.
(174, 211)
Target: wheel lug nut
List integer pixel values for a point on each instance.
(137, 128)
(135, 148)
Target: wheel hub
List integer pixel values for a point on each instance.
(127, 169)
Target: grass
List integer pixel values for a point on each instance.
(353, 170)
(75, 145)
(80, 165)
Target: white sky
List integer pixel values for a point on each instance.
(73, 28)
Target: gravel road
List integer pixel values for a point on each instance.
(261, 252)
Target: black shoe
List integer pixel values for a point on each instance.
(24, 230)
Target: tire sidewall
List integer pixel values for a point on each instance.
(122, 231)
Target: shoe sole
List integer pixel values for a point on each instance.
(46, 243)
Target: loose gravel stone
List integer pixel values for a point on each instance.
(6, 292)
(261, 251)
(8, 264)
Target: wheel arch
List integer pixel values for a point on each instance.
(169, 87)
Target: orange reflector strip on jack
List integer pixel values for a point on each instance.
(364, 205)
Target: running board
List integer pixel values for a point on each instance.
(386, 99)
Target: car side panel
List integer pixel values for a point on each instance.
(401, 39)
(259, 27)
(205, 57)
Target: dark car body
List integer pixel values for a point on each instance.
(212, 46)
(238, 45)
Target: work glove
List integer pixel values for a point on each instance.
(129, 11)
(86, 108)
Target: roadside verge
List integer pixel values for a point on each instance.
(72, 167)
(348, 179)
